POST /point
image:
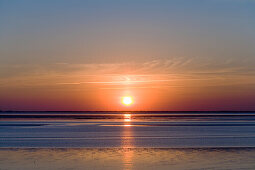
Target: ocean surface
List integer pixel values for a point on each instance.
(127, 140)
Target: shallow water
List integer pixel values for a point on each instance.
(132, 129)
(130, 140)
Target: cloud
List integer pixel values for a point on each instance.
(176, 71)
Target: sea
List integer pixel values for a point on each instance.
(127, 140)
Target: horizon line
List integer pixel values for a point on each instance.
(187, 111)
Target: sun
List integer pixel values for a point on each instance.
(127, 100)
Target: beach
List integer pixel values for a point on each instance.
(127, 158)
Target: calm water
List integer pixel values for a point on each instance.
(132, 130)
(127, 140)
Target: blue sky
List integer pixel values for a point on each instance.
(190, 42)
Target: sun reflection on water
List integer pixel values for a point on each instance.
(127, 117)
(127, 142)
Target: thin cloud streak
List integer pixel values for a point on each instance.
(168, 70)
(119, 82)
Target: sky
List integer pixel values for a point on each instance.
(168, 55)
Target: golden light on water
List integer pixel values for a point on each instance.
(127, 125)
(127, 142)
(127, 117)
(127, 100)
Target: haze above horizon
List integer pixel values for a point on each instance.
(88, 55)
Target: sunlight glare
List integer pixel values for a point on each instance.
(127, 117)
(127, 100)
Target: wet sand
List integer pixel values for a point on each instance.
(127, 158)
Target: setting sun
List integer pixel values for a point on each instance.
(127, 100)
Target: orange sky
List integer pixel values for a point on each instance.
(167, 55)
(103, 90)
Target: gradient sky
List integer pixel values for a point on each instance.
(166, 54)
